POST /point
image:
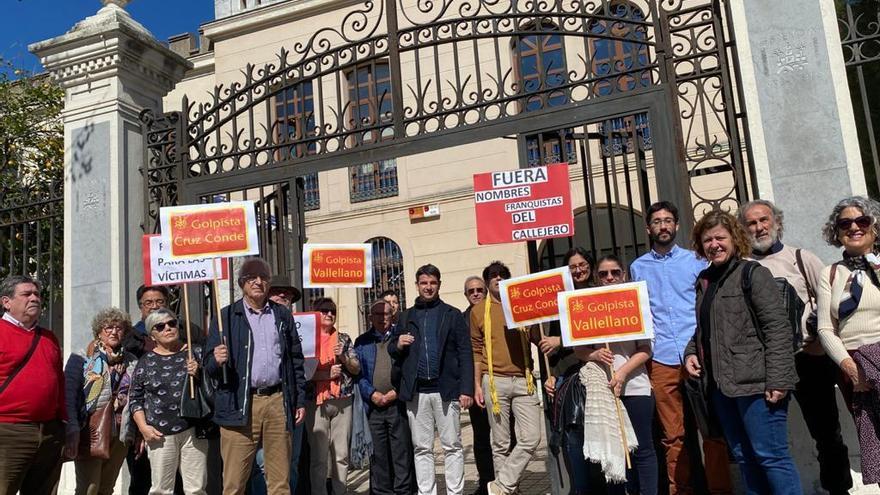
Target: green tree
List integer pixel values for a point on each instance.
(31, 136)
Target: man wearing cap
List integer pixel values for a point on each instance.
(258, 363)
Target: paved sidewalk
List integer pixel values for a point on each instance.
(536, 480)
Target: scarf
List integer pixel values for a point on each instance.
(487, 339)
(102, 383)
(861, 267)
(361, 446)
(602, 428)
(327, 389)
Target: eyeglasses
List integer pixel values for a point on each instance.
(662, 221)
(863, 222)
(158, 327)
(280, 293)
(153, 303)
(583, 265)
(328, 312)
(615, 272)
(113, 329)
(475, 290)
(252, 279)
(385, 313)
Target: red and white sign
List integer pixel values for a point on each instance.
(614, 313)
(160, 269)
(533, 298)
(337, 265)
(307, 325)
(211, 230)
(526, 204)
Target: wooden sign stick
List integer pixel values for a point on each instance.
(189, 352)
(219, 317)
(620, 417)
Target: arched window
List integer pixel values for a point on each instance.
(540, 67)
(387, 275)
(621, 66)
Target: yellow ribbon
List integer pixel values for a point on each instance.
(487, 343)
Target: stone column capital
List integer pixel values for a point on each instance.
(111, 44)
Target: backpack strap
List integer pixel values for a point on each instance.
(811, 294)
(747, 292)
(832, 275)
(24, 361)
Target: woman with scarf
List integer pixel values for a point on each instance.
(329, 403)
(158, 389)
(97, 380)
(631, 384)
(849, 316)
(743, 348)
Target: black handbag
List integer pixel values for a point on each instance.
(697, 392)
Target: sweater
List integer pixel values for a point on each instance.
(36, 394)
(507, 344)
(781, 260)
(860, 328)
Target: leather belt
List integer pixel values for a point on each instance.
(265, 391)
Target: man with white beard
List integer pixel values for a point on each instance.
(816, 371)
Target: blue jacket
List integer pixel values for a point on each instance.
(456, 355)
(232, 401)
(365, 347)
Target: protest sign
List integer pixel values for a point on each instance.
(160, 269)
(523, 205)
(614, 313)
(211, 230)
(533, 298)
(307, 325)
(337, 265)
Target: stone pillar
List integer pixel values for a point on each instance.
(800, 114)
(111, 68)
(805, 146)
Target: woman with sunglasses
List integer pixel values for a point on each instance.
(849, 311)
(157, 392)
(742, 348)
(631, 384)
(95, 382)
(328, 403)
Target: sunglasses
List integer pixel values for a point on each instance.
(475, 291)
(616, 273)
(158, 327)
(863, 222)
(328, 312)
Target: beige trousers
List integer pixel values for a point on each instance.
(184, 450)
(514, 400)
(238, 447)
(328, 427)
(98, 476)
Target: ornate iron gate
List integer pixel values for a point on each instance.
(859, 23)
(395, 79)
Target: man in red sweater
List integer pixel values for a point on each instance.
(31, 394)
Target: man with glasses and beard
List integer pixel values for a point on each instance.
(816, 371)
(670, 273)
(260, 397)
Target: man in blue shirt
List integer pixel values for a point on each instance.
(670, 273)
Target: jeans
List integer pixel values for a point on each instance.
(642, 477)
(585, 476)
(757, 433)
(818, 400)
